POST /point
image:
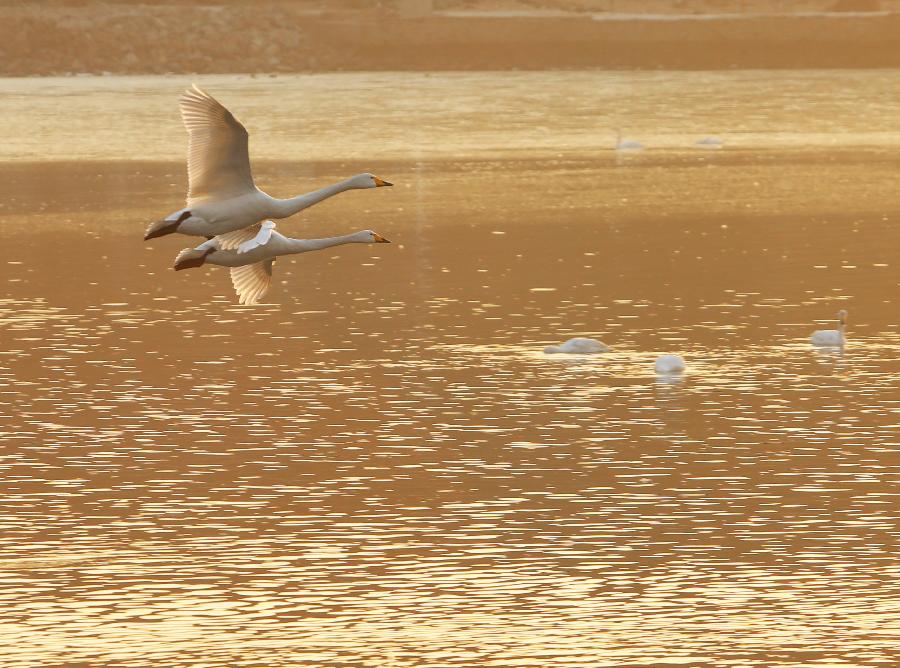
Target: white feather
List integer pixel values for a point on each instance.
(261, 239)
(578, 345)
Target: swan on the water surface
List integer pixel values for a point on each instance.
(666, 364)
(627, 144)
(251, 252)
(222, 197)
(579, 345)
(709, 142)
(831, 337)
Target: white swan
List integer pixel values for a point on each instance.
(669, 364)
(222, 197)
(627, 144)
(579, 345)
(709, 142)
(251, 252)
(831, 337)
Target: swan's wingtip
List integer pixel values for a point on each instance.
(194, 91)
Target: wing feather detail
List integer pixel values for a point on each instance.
(231, 240)
(218, 157)
(251, 282)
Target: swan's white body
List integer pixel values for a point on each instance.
(627, 144)
(669, 364)
(578, 345)
(709, 142)
(222, 197)
(831, 337)
(251, 252)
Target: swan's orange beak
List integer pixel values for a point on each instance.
(381, 182)
(380, 239)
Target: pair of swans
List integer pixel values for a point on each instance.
(226, 207)
(634, 145)
(665, 364)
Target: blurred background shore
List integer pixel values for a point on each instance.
(73, 37)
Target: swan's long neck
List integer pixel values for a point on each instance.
(288, 207)
(306, 245)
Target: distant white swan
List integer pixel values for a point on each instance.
(669, 364)
(831, 337)
(221, 194)
(579, 345)
(251, 252)
(627, 144)
(709, 142)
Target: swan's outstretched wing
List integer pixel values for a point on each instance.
(251, 282)
(218, 161)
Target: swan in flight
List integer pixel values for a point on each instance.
(579, 345)
(627, 144)
(251, 252)
(222, 197)
(831, 337)
(669, 364)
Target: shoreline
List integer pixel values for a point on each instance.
(151, 39)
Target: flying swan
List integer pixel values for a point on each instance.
(222, 197)
(251, 252)
(831, 337)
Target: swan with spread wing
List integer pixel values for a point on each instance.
(222, 198)
(251, 252)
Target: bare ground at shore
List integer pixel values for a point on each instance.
(276, 37)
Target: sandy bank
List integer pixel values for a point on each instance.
(273, 37)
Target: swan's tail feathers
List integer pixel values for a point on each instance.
(166, 226)
(191, 257)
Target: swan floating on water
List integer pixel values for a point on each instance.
(221, 194)
(831, 337)
(669, 364)
(709, 142)
(579, 345)
(627, 144)
(251, 252)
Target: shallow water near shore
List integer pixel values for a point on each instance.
(379, 466)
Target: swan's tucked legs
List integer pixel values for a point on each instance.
(195, 257)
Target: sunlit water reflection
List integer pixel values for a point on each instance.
(381, 468)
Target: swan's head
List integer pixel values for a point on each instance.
(842, 316)
(368, 181)
(369, 237)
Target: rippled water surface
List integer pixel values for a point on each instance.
(379, 466)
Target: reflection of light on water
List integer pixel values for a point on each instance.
(384, 468)
(669, 380)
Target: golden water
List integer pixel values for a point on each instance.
(379, 467)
